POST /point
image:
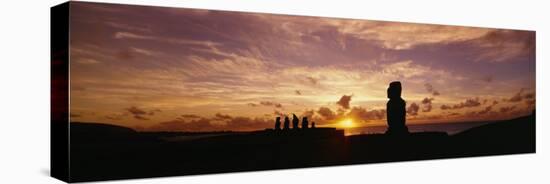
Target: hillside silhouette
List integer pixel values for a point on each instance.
(101, 151)
(114, 152)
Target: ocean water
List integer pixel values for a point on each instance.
(450, 128)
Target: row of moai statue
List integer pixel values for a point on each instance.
(295, 122)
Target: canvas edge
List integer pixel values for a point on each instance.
(59, 92)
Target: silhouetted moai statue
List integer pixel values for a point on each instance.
(278, 123)
(395, 110)
(295, 121)
(313, 124)
(286, 125)
(304, 123)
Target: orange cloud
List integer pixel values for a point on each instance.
(344, 101)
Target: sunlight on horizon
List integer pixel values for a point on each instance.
(347, 123)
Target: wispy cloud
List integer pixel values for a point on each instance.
(196, 64)
(129, 35)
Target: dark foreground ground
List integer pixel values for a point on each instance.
(106, 152)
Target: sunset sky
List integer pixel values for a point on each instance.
(176, 69)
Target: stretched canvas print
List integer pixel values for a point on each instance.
(143, 91)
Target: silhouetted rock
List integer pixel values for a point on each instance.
(278, 123)
(295, 122)
(286, 125)
(313, 124)
(304, 123)
(395, 110)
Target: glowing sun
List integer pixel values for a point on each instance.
(347, 123)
